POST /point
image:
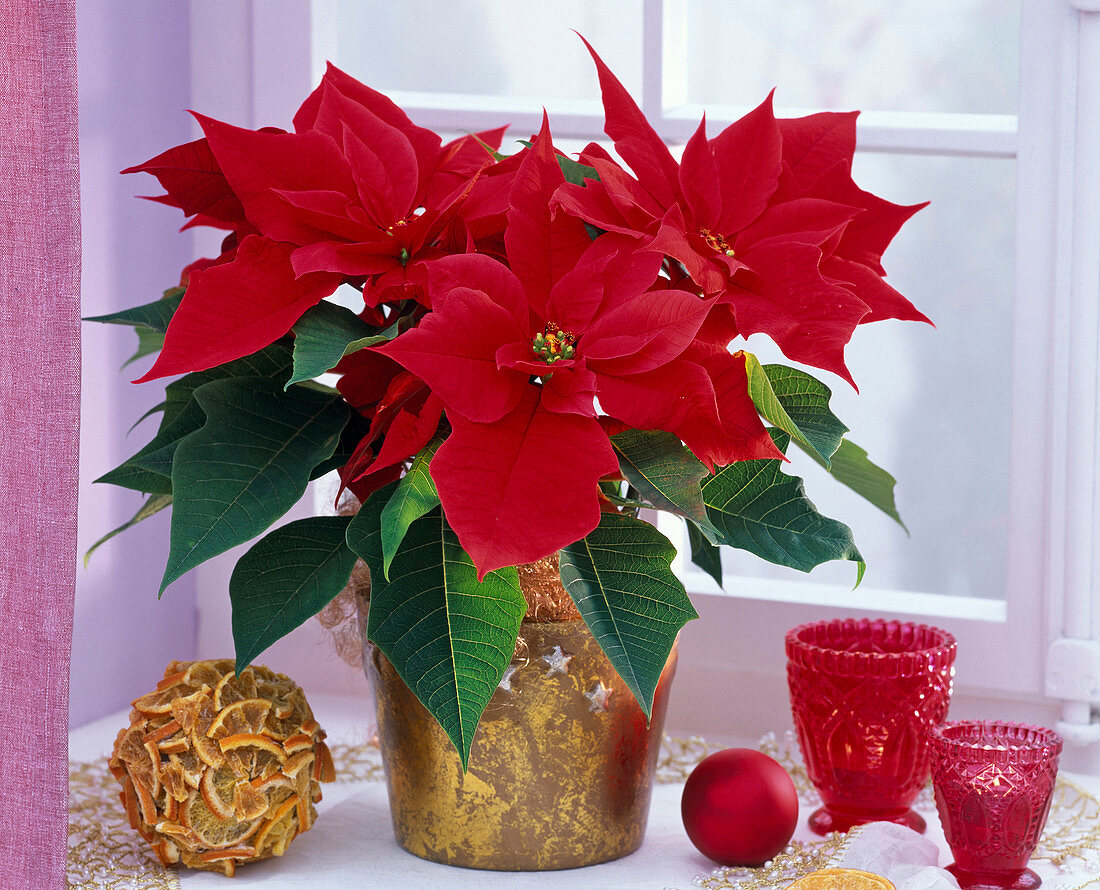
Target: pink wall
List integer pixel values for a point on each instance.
(134, 72)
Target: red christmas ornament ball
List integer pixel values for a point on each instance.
(739, 807)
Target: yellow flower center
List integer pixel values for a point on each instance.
(716, 242)
(553, 344)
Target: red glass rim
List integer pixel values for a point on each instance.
(993, 741)
(871, 647)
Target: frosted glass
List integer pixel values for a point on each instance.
(934, 403)
(477, 47)
(920, 55)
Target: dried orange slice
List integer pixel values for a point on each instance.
(306, 813)
(246, 682)
(174, 830)
(234, 687)
(278, 827)
(207, 750)
(156, 702)
(298, 742)
(167, 852)
(189, 708)
(171, 679)
(212, 831)
(217, 789)
(190, 767)
(234, 853)
(324, 770)
(841, 879)
(244, 716)
(146, 805)
(226, 860)
(225, 692)
(208, 673)
(130, 804)
(264, 784)
(303, 760)
(128, 745)
(175, 745)
(248, 803)
(252, 740)
(174, 783)
(162, 732)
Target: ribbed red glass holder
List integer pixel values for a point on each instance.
(994, 782)
(865, 694)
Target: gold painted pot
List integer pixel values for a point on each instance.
(561, 768)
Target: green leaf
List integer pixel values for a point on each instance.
(705, 554)
(449, 637)
(128, 475)
(285, 579)
(620, 578)
(414, 497)
(796, 403)
(851, 467)
(158, 455)
(762, 510)
(154, 316)
(664, 473)
(358, 426)
(149, 341)
(247, 465)
(150, 469)
(325, 334)
(152, 505)
(489, 150)
(573, 171)
(576, 172)
(274, 361)
(154, 410)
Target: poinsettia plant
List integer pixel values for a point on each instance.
(536, 348)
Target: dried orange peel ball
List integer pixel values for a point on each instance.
(218, 769)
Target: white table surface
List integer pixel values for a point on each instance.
(351, 845)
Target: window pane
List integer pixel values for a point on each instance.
(931, 55)
(478, 47)
(934, 403)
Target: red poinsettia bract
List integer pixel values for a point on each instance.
(518, 356)
(765, 216)
(357, 190)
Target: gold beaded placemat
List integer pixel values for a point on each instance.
(104, 852)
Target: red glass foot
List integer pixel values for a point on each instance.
(824, 821)
(973, 880)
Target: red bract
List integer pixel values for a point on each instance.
(764, 216)
(357, 191)
(195, 184)
(404, 416)
(234, 309)
(518, 355)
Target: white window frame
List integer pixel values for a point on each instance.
(253, 62)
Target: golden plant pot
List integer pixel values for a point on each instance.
(561, 769)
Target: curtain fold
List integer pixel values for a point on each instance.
(39, 421)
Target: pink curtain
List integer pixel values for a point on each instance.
(39, 419)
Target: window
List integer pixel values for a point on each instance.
(989, 422)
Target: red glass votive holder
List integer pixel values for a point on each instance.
(994, 782)
(865, 694)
